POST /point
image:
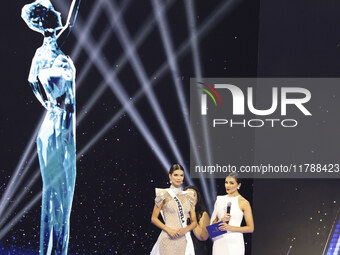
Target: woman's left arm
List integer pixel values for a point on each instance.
(248, 216)
(192, 225)
(201, 230)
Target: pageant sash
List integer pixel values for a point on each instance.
(190, 245)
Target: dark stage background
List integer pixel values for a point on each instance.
(117, 175)
(298, 39)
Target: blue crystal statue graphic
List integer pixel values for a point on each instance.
(52, 79)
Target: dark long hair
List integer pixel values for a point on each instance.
(200, 207)
(175, 167)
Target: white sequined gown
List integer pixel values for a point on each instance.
(166, 244)
(230, 243)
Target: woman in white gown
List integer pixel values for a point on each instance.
(231, 243)
(176, 206)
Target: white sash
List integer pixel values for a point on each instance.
(190, 245)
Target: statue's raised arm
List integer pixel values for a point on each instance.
(72, 12)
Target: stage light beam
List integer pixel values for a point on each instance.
(91, 20)
(102, 41)
(119, 91)
(142, 34)
(190, 11)
(18, 199)
(15, 181)
(163, 28)
(130, 51)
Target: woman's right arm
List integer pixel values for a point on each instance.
(159, 224)
(201, 231)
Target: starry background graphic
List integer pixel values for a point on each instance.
(116, 177)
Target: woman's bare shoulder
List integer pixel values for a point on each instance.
(243, 202)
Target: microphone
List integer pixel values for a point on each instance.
(228, 209)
